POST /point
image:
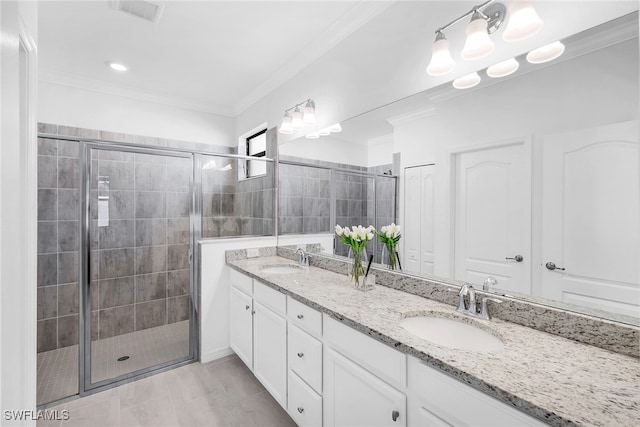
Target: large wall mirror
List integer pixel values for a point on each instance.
(532, 179)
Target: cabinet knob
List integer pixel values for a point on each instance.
(395, 415)
(300, 316)
(300, 354)
(247, 307)
(300, 409)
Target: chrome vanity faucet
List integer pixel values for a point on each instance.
(471, 309)
(303, 258)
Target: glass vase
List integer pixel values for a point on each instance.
(390, 256)
(357, 269)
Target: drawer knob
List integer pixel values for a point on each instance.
(300, 355)
(300, 409)
(395, 415)
(247, 307)
(300, 316)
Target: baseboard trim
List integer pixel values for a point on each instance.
(215, 355)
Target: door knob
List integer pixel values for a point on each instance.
(300, 409)
(300, 355)
(395, 415)
(300, 316)
(517, 258)
(246, 307)
(551, 266)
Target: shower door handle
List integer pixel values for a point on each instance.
(190, 255)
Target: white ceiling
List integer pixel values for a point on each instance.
(223, 56)
(217, 55)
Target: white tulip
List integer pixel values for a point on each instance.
(338, 230)
(370, 236)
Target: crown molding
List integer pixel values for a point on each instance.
(101, 86)
(360, 14)
(400, 119)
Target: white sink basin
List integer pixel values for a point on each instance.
(281, 269)
(452, 333)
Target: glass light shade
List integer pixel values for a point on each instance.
(441, 61)
(285, 127)
(309, 113)
(117, 66)
(335, 128)
(324, 132)
(545, 53)
(313, 135)
(466, 82)
(503, 68)
(296, 119)
(523, 22)
(478, 44)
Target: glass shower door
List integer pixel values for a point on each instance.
(137, 294)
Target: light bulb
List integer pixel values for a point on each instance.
(309, 113)
(504, 68)
(335, 128)
(117, 66)
(523, 23)
(324, 132)
(285, 127)
(545, 53)
(296, 119)
(466, 82)
(441, 61)
(478, 44)
(313, 135)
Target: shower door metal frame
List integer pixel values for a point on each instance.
(85, 385)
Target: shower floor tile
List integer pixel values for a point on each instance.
(58, 369)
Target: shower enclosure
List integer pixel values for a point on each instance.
(117, 274)
(313, 198)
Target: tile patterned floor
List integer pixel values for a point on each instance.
(220, 393)
(58, 369)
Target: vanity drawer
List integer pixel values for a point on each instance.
(305, 405)
(305, 357)
(305, 317)
(242, 282)
(269, 297)
(376, 357)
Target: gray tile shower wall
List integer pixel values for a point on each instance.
(58, 244)
(140, 271)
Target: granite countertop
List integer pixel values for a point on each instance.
(552, 378)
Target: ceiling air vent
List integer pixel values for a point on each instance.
(146, 10)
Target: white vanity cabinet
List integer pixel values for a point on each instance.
(305, 363)
(360, 379)
(241, 320)
(325, 373)
(438, 400)
(258, 332)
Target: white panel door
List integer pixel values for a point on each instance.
(591, 218)
(241, 326)
(492, 217)
(354, 397)
(419, 213)
(412, 183)
(270, 351)
(426, 218)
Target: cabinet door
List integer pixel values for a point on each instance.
(241, 328)
(270, 352)
(355, 397)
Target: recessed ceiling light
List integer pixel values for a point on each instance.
(117, 66)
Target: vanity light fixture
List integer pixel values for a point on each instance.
(295, 119)
(504, 68)
(523, 23)
(466, 82)
(117, 66)
(313, 135)
(486, 18)
(546, 53)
